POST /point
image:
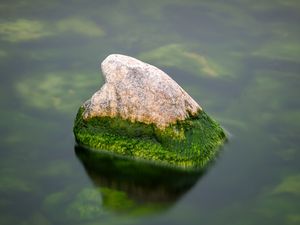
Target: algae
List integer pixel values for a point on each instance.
(290, 185)
(8, 184)
(87, 204)
(280, 49)
(192, 143)
(23, 30)
(176, 55)
(277, 209)
(54, 90)
(80, 26)
(56, 168)
(202, 61)
(3, 54)
(36, 218)
(54, 199)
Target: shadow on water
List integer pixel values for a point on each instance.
(148, 188)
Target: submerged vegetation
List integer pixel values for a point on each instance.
(176, 55)
(55, 91)
(23, 30)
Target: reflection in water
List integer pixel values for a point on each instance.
(133, 186)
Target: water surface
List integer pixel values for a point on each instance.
(239, 59)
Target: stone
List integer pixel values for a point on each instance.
(139, 92)
(141, 112)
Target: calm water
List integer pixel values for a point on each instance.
(240, 59)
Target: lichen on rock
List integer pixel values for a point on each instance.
(141, 112)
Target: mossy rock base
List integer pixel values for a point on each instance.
(191, 143)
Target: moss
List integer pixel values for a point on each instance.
(190, 143)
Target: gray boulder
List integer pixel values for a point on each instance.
(139, 92)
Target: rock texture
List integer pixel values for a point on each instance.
(139, 92)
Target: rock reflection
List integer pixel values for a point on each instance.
(133, 186)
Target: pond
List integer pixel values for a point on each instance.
(240, 59)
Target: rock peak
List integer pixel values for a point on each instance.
(139, 92)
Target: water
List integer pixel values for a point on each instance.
(239, 59)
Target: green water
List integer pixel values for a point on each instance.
(239, 59)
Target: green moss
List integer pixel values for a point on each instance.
(190, 143)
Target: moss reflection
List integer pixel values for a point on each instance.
(135, 187)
